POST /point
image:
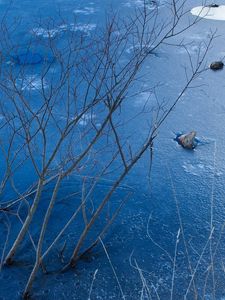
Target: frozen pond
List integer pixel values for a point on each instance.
(174, 220)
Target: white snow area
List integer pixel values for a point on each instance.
(212, 13)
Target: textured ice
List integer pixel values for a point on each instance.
(31, 82)
(86, 118)
(200, 169)
(28, 58)
(46, 33)
(129, 230)
(51, 33)
(86, 28)
(134, 48)
(193, 169)
(85, 11)
(213, 13)
(192, 48)
(198, 36)
(140, 4)
(145, 98)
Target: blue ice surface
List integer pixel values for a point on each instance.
(180, 184)
(27, 58)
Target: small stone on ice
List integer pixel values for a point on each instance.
(216, 65)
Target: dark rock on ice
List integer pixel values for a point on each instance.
(216, 65)
(213, 5)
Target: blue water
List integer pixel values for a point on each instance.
(185, 184)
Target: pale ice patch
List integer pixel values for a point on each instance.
(86, 28)
(200, 169)
(45, 32)
(63, 27)
(85, 11)
(196, 37)
(11, 63)
(131, 49)
(140, 4)
(86, 118)
(31, 82)
(151, 48)
(211, 13)
(192, 48)
(144, 98)
(135, 48)
(209, 297)
(193, 169)
(201, 36)
(51, 33)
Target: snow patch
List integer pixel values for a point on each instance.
(211, 13)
